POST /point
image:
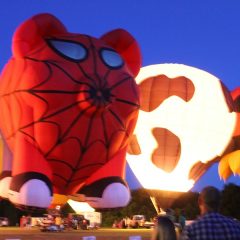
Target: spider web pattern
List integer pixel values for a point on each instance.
(86, 129)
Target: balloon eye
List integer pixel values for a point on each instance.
(71, 50)
(111, 58)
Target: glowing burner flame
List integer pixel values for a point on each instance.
(186, 122)
(80, 207)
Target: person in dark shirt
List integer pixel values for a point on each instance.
(211, 225)
(164, 229)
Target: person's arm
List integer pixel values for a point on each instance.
(185, 234)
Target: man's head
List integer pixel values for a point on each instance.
(209, 199)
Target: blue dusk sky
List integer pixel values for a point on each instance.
(203, 34)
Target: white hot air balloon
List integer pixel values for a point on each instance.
(186, 122)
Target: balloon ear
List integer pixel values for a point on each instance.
(30, 34)
(236, 99)
(125, 44)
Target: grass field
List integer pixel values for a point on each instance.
(14, 233)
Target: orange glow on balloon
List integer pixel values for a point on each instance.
(186, 122)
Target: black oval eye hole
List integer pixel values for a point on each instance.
(71, 50)
(111, 58)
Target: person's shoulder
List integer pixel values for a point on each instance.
(228, 221)
(190, 230)
(201, 221)
(231, 221)
(193, 225)
(225, 218)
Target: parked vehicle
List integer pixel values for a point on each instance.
(80, 222)
(148, 224)
(4, 222)
(95, 219)
(139, 221)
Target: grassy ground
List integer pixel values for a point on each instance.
(14, 233)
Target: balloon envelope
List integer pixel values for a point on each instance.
(186, 122)
(69, 103)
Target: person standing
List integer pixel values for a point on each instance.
(182, 219)
(164, 229)
(211, 225)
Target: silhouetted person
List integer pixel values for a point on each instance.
(164, 229)
(182, 219)
(211, 225)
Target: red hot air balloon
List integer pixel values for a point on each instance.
(69, 103)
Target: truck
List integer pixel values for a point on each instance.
(94, 219)
(139, 221)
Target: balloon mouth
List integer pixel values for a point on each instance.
(95, 99)
(167, 154)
